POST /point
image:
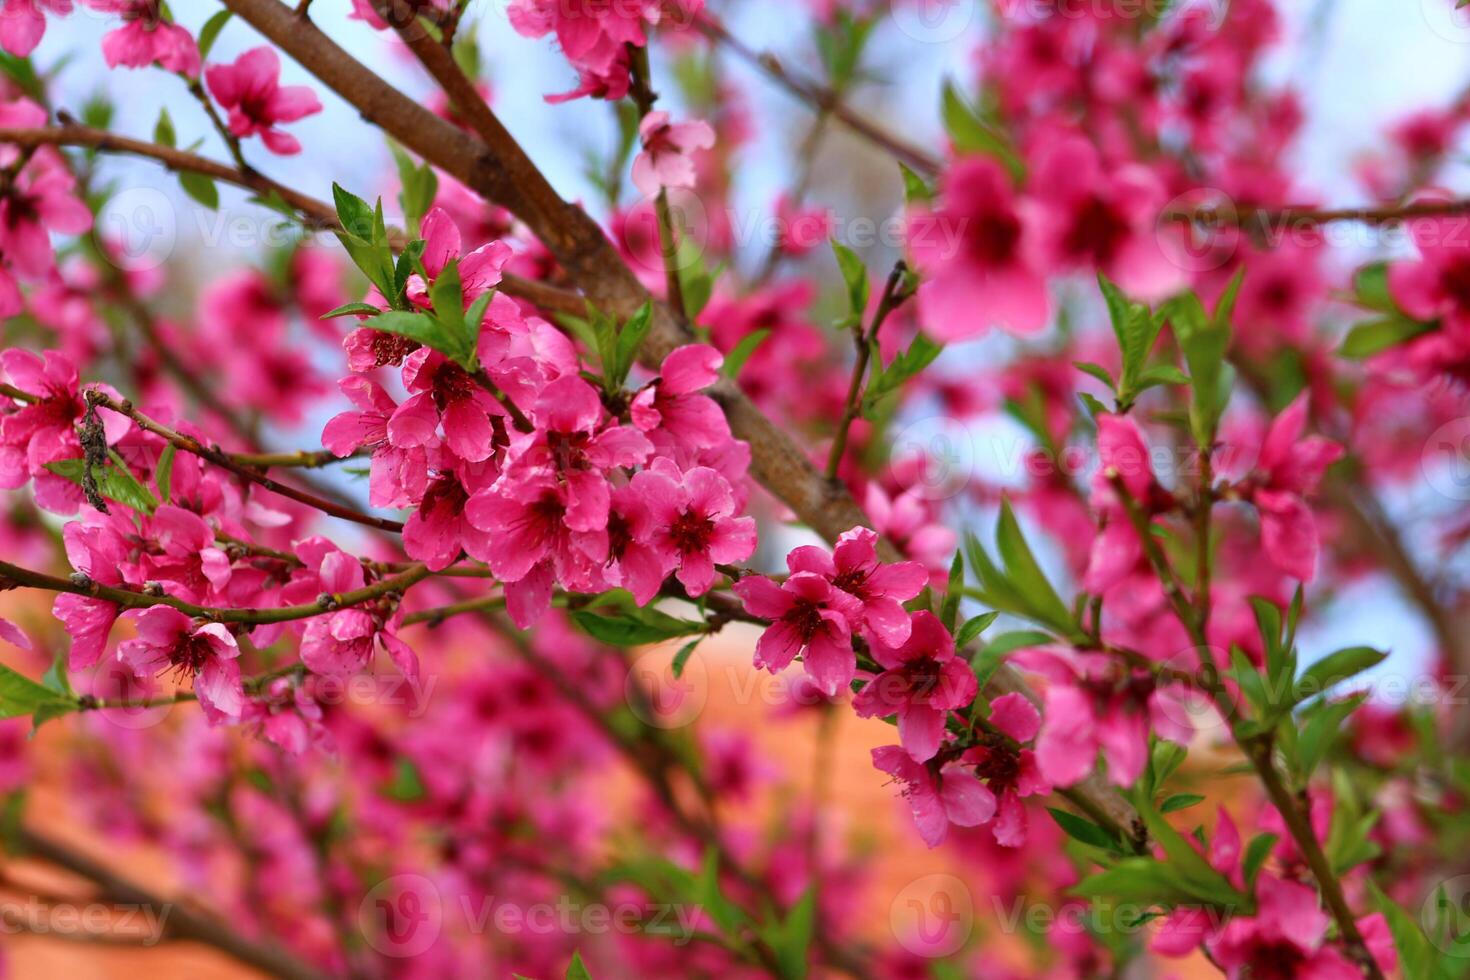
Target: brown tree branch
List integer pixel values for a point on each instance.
(182, 923)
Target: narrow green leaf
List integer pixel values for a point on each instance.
(163, 473)
(1376, 336)
(740, 353)
(163, 130)
(972, 628)
(1083, 830)
(200, 188)
(1336, 667)
(855, 277)
(209, 33)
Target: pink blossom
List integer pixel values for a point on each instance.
(23, 22)
(880, 589)
(937, 795)
(1122, 452)
(633, 563)
(97, 550)
(341, 643)
(572, 439)
(666, 159)
(1287, 471)
(251, 90)
(691, 523)
(168, 639)
(809, 616)
(41, 200)
(534, 536)
(1101, 218)
(443, 394)
(398, 476)
(1010, 774)
(976, 257)
(922, 682)
(801, 229)
(1093, 705)
(672, 406)
(439, 530)
(146, 37)
(43, 430)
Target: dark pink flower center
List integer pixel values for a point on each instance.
(391, 348)
(1097, 231)
(190, 654)
(691, 532)
(452, 383)
(923, 676)
(1455, 279)
(991, 237)
(1000, 765)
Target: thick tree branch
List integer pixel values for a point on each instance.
(182, 922)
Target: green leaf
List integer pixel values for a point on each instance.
(417, 326)
(407, 784)
(1026, 574)
(1256, 853)
(1320, 726)
(915, 190)
(1377, 336)
(972, 628)
(1180, 801)
(163, 130)
(740, 353)
(1416, 954)
(1336, 667)
(971, 134)
(1204, 339)
(1017, 640)
(792, 939)
(855, 277)
(1083, 830)
(1195, 873)
(629, 339)
(163, 473)
(418, 187)
(1370, 288)
(365, 238)
(114, 482)
(577, 970)
(1095, 370)
(21, 696)
(200, 188)
(634, 627)
(949, 610)
(1162, 374)
(1136, 328)
(209, 33)
(919, 355)
(1138, 880)
(352, 309)
(712, 899)
(682, 657)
